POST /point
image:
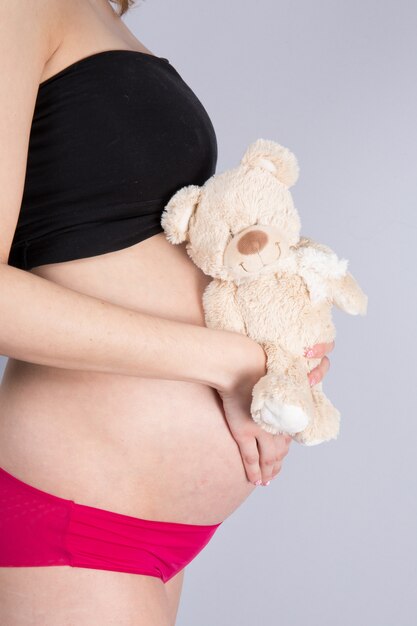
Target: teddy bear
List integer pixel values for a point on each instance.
(242, 229)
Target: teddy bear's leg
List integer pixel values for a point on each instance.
(282, 400)
(325, 425)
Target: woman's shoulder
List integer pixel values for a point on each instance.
(35, 27)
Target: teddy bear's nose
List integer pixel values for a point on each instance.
(253, 242)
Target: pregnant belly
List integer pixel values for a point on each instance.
(151, 448)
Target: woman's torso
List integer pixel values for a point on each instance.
(150, 448)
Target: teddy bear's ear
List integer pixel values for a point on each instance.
(273, 157)
(176, 215)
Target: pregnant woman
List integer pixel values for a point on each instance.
(125, 432)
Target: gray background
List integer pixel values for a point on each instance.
(332, 541)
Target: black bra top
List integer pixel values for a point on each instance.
(113, 137)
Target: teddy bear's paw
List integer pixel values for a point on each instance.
(324, 427)
(350, 297)
(287, 418)
(311, 442)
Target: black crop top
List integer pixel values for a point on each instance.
(114, 135)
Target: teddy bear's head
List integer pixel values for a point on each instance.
(240, 223)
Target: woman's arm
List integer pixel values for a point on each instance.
(46, 323)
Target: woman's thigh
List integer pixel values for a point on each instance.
(70, 596)
(173, 588)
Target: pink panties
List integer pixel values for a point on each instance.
(40, 529)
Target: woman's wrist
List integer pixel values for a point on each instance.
(233, 358)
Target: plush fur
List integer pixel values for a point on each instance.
(242, 229)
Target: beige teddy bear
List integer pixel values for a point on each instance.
(242, 229)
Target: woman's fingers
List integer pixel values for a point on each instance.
(267, 457)
(319, 350)
(250, 457)
(276, 469)
(262, 454)
(283, 449)
(317, 373)
(272, 450)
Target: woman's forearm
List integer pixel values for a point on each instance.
(48, 324)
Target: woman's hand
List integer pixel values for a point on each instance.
(262, 452)
(317, 351)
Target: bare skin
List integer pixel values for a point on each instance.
(110, 438)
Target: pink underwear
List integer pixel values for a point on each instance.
(39, 529)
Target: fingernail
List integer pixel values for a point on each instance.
(309, 352)
(266, 484)
(313, 381)
(258, 482)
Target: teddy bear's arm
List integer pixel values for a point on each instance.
(348, 296)
(327, 276)
(319, 267)
(220, 308)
